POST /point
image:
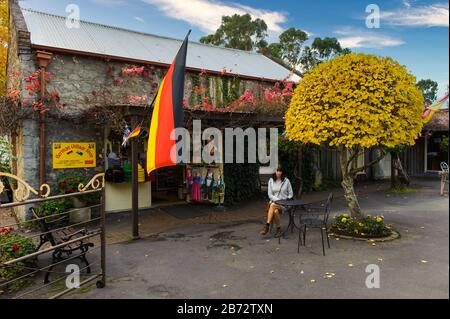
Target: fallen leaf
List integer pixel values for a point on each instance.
(313, 280)
(380, 259)
(277, 249)
(272, 271)
(302, 272)
(423, 261)
(373, 244)
(224, 286)
(337, 238)
(422, 227)
(233, 254)
(252, 267)
(267, 240)
(350, 265)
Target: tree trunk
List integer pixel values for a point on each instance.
(347, 185)
(402, 175)
(394, 181)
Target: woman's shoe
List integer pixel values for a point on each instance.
(265, 230)
(277, 232)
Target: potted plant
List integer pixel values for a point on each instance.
(68, 184)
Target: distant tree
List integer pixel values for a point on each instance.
(429, 90)
(239, 32)
(321, 50)
(308, 59)
(327, 48)
(3, 44)
(290, 46)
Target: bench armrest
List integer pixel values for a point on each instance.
(82, 232)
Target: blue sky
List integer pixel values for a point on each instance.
(413, 32)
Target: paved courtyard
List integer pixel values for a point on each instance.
(231, 260)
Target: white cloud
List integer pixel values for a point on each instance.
(207, 14)
(139, 19)
(109, 3)
(433, 15)
(357, 38)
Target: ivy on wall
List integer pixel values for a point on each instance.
(287, 155)
(241, 181)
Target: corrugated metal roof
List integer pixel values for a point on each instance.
(50, 30)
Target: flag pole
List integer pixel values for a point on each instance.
(134, 173)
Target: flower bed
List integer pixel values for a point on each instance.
(368, 227)
(12, 246)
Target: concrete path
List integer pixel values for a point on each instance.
(230, 260)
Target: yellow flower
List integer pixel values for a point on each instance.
(344, 220)
(345, 215)
(379, 219)
(368, 215)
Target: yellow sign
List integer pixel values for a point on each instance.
(74, 155)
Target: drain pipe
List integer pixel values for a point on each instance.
(43, 59)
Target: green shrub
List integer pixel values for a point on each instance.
(241, 182)
(69, 183)
(367, 227)
(287, 154)
(53, 207)
(12, 246)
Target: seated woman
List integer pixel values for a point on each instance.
(279, 187)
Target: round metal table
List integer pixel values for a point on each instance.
(291, 206)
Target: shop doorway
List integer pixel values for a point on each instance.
(167, 183)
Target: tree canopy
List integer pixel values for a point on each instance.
(429, 90)
(243, 33)
(239, 32)
(353, 102)
(356, 99)
(289, 47)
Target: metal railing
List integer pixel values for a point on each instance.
(58, 242)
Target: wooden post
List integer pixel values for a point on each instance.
(43, 59)
(135, 186)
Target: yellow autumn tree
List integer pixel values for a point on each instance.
(355, 102)
(3, 44)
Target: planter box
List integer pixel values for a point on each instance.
(80, 215)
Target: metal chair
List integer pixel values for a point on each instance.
(315, 217)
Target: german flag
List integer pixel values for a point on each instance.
(167, 113)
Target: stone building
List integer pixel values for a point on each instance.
(87, 88)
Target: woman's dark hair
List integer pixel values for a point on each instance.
(279, 169)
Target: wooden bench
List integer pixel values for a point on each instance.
(56, 232)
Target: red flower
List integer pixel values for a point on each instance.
(15, 247)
